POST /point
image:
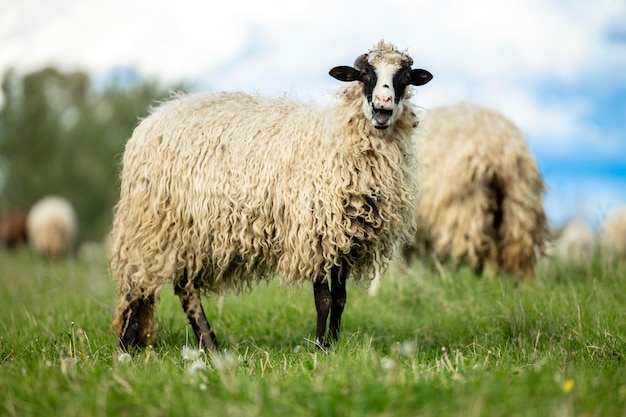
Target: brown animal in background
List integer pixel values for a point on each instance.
(13, 229)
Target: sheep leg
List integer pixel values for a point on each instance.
(134, 321)
(338, 276)
(323, 302)
(191, 302)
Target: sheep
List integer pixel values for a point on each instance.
(221, 191)
(612, 234)
(576, 242)
(481, 191)
(52, 227)
(13, 229)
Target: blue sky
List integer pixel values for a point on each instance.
(557, 68)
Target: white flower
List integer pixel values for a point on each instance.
(224, 361)
(124, 357)
(408, 348)
(387, 364)
(195, 367)
(191, 354)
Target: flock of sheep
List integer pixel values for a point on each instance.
(578, 243)
(219, 191)
(50, 227)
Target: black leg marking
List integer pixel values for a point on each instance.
(192, 305)
(338, 276)
(323, 301)
(136, 320)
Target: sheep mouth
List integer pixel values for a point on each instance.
(381, 118)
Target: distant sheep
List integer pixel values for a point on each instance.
(219, 191)
(52, 227)
(612, 235)
(481, 192)
(576, 242)
(13, 229)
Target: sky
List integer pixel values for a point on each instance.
(556, 68)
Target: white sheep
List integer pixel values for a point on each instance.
(612, 234)
(52, 227)
(219, 191)
(576, 242)
(481, 191)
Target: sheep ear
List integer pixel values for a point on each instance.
(345, 73)
(420, 76)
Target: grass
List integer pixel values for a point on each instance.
(429, 344)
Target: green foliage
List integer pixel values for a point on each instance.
(61, 135)
(449, 344)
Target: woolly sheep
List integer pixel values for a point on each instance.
(576, 242)
(219, 191)
(612, 235)
(52, 227)
(481, 192)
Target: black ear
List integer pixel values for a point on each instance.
(345, 73)
(420, 76)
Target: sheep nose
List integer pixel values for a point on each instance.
(383, 101)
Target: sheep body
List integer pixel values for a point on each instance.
(219, 191)
(52, 227)
(220, 210)
(576, 242)
(480, 192)
(612, 234)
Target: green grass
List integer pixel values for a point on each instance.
(427, 344)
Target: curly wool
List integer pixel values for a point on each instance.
(481, 191)
(612, 235)
(52, 227)
(232, 188)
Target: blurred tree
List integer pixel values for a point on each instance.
(60, 135)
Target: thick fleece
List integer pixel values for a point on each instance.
(233, 188)
(481, 191)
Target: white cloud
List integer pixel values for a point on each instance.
(486, 39)
(500, 54)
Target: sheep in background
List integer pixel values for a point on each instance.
(95, 250)
(92, 250)
(13, 229)
(481, 190)
(220, 191)
(576, 242)
(612, 235)
(52, 227)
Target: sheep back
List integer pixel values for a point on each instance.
(52, 227)
(232, 188)
(480, 191)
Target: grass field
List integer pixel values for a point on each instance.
(430, 344)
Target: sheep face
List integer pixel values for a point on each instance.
(384, 80)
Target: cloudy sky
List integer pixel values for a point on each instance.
(557, 68)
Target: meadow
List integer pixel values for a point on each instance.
(433, 342)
